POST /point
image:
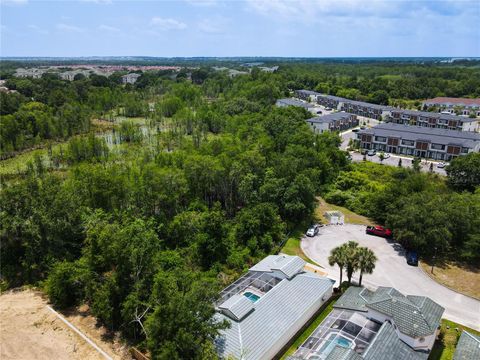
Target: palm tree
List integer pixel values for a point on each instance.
(365, 261)
(351, 264)
(338, 256)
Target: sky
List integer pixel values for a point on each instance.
(301, 28)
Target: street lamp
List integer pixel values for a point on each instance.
(434, 256)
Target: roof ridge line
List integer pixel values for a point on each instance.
(472, 336)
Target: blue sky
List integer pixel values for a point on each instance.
(323, 28)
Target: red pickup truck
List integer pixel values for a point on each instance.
(379, 231)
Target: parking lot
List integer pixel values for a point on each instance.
(391, 270)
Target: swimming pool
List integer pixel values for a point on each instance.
(251, 296)
(333, 340)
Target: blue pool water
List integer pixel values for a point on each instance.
(333, 341)
(251, 296)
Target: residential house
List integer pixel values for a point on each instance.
(375, 325)
(451, 105)
(468, 347)
(268, 306)
(338, 121)
(433, 120)
(431, 143)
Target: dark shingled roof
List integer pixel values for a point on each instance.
(341, 353)
(414, 316)
(468, 347)
(387, 346)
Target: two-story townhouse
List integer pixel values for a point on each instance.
(433, 120)
(338, 121)
(431, 143)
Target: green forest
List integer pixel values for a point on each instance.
(203, 178)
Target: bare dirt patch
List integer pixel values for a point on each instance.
(458, 277)
(28, 330)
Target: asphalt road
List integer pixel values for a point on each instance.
(391, 270)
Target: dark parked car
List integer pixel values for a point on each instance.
(355, 130)
(379, 231)
(412, 258)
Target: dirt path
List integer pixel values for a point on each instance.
(28, 330)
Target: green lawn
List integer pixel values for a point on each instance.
(292, 247)
(328, 307)
(445, 347)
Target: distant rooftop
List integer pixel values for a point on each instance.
(452, 101)
(293, 102)
(330, 117)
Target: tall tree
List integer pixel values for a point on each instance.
(365, 261)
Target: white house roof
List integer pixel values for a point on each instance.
(275, 314)
(287, 264)
(237, 306)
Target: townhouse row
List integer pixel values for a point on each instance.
(391, 114)
(430, 143)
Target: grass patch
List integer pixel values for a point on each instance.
(327, 309)
(444, 348)
(350, 216)
(460, 277)
(292, 247)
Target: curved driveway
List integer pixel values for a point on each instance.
(391, 270)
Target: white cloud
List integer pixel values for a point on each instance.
(107, 28)
(167, 23)
(38, 29)
(70, 28)
(214, 25)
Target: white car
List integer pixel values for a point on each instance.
(441, 165)
(386, 155)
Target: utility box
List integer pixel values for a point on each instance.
(335, 217)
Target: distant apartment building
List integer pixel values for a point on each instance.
(298, 103)
(433, 120)
(130, 78)
(431, 143)
(451, 105)
(359, 108)
(338, 121)
(307, 95)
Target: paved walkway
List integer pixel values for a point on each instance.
(391, 270)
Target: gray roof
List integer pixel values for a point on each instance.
(468, 347)
(330, 117)
(352, 300)
(438, 136)
(275, 315)
(341, 353)
(293, 102)
(435, 115)
(287, 264)
(388, 346)
(307, 92)
(238, 306)
(414, 316)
